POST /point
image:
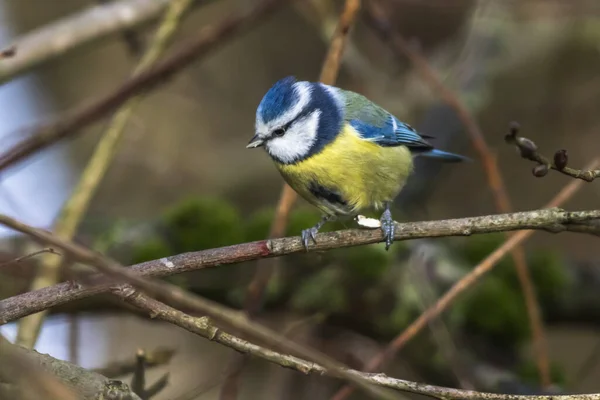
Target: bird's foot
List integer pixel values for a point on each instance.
(388, 227)
(309, 234)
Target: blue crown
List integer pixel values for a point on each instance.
(278, 99)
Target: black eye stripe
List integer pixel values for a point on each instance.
(281, 131)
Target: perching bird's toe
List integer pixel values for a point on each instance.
(388, 228)
(309, 234)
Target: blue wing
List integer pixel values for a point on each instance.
(391, 133)
(375, 124)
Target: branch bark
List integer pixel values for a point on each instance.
(551, 220)
(31, 375)
(204, 327)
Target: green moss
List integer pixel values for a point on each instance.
(152, 249)
(257, 226)
(495, 309)
(478, 247)
(549, 276)
(303, 218)
(202, 223)
(365, 262)
(321, 292)
(529, 373)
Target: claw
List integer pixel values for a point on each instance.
(387, 227)
(309, 234)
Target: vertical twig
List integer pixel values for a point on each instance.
(257, 286)
(493, 176)
(466, 282)
(76, 206)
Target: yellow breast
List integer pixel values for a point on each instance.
(363, 173)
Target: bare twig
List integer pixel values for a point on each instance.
(466, 282)
(138, 380)
(492, 173)
(529, 151)
(67, 34)
(550, 220)
(154, 358)
(264, 271)
(76, 206)
(204, 327)
(207, 40)
(28, 256)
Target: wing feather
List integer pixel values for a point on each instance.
(375, 124)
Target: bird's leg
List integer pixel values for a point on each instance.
(310, 233)
(387, 226)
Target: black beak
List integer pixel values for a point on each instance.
(255, 142)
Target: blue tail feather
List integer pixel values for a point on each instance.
(444, 156)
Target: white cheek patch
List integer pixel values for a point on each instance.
(297, 141)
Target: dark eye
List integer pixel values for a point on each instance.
(279, 132)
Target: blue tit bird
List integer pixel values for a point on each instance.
(338, 150)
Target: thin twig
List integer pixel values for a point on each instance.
(69, 33)
(28, 256)
(174, 295)
(550, 220)
(67, 126)
(287, 198)
(204, 327)
(529, 151)
(466, 282)
(153, 358)
(493, 177)
(76, 206)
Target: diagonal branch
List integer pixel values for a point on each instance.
(204, 327)
(180, 298)
(466, 282)
(551, 220)
(208, 39)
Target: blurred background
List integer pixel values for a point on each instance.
(182, 180)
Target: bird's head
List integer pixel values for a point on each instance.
(295, 119)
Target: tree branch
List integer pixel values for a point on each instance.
(550, 220)
(32, 374)
(208, 39)
(177, 297)
(204, 327)
(529, 151)
(67, 34)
